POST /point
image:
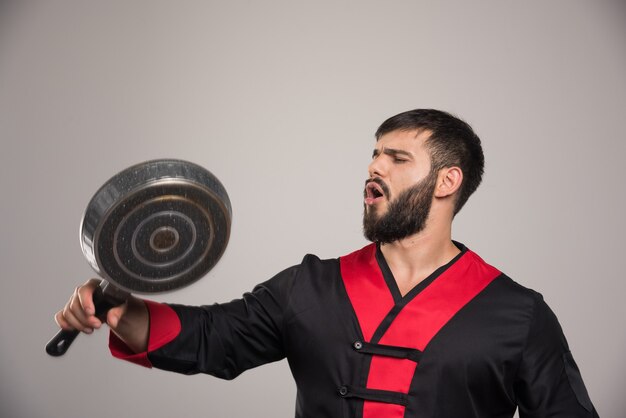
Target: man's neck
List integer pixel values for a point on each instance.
(414, 258)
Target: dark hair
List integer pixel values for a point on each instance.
(452, 143)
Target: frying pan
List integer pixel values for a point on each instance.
(154, 227)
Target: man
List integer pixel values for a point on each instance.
(412, 325)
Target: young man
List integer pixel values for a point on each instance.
(412, 325)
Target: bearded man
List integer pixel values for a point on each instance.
(412, 325)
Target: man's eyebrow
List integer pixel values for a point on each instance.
(392, 152)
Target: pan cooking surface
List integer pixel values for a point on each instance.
(157, 226)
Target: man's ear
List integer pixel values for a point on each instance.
(448, 181)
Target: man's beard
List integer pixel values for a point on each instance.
(406, 215)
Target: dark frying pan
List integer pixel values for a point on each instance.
(156, 226)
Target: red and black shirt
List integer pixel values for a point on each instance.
(465, 342)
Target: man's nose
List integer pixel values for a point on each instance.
(377, 167)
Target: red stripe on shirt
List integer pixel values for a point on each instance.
(416, 324)
(367, 289)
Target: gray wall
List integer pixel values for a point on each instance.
(280, 100)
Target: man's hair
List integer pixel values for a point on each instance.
(452, 143)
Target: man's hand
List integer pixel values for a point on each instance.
(129, 321)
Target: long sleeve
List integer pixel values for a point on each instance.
(549, 383)
(221, 339)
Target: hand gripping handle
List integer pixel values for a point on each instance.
(59, 344)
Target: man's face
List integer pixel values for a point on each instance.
(399, 191)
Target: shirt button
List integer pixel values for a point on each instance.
(343, 391)
(358, 345)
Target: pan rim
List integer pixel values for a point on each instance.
(90, 237)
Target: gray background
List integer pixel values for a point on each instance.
(280, 100)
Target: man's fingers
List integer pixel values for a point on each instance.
(73, 321)
(61, 322)
(114, 315)
(85, 296)
(78, 311)
(85, 309)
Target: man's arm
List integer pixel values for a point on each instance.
(221, 339)
(548, 381)
(225, 339)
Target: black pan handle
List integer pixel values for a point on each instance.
(59, 344)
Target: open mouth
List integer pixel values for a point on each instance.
(373, 192)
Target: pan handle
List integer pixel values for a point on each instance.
(59, 344)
